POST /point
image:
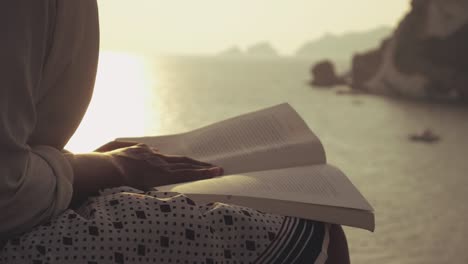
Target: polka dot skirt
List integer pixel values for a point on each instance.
(125, 225)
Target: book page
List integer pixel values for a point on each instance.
(272, 138)
(170, 145)
(328, 214)
(314, 184)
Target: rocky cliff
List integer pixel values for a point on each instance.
(426, 57)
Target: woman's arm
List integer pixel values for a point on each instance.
(35, 181)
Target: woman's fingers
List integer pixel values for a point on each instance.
(146, 152)
(187, 175)
(139, 152)
(144, 167)
(181, 159)
(113, 145)
(185, 166)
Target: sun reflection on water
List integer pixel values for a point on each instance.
(117, 109)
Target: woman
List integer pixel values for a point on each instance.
(48, 60)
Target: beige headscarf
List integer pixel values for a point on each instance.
(48, 60)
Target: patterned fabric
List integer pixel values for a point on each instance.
(125, 225)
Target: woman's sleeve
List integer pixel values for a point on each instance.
(35, 181)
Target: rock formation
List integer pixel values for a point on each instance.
(233, 51)
(324, 75)
(426, 57)
(262, 49)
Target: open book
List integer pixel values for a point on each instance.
(273, 163)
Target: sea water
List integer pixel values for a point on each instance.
(419, 191)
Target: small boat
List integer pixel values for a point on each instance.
(426, 136)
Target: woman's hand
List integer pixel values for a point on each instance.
(144, 167)
(134, 165)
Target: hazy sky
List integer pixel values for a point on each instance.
(207, 26)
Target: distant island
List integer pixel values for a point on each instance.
(261, 49)
(342, 47)
(329, 46)
(232, 51)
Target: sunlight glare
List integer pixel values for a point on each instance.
(117, 108)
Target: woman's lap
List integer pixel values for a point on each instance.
(128, 226)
